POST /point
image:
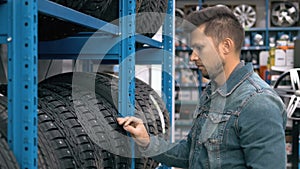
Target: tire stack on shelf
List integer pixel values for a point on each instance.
(7, 158)
(77, 125)
(149, 107)
(62, 142)
(149, 18)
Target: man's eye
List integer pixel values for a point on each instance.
(198, 48)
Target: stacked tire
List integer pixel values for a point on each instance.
(7, 158)
(105, 86)
(78, 127)
(150, 15)
(61, 140)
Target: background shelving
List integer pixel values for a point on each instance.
(256, 50)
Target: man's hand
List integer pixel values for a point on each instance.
(136, 128)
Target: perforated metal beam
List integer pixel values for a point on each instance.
(168, 64)
(127, 63)
(22, 81)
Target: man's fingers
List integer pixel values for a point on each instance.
(129, 121)
(126, 121)
(121, 120)
(129, 128)
(136, 128)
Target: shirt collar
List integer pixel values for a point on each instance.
(239, 75)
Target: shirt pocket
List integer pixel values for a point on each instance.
(214, 131)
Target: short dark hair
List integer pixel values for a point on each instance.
(220, 23)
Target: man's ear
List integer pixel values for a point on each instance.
(227, 46)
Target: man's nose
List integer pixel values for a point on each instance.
(194, 56)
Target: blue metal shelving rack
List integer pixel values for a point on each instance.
(19, 30)
(20, 34)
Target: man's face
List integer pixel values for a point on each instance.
(205, 54)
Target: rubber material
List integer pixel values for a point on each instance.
(147, 97)
(58, 122)
(53, 148)
(107, 87)
(7, 158)
(51, 28)
(85, 107)
(82, 148)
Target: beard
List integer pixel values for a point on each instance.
(215, 72)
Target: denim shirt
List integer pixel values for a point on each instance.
(239, 125)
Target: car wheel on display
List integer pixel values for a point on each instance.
(51, 28)
(284, 14)
(179, 16)
(288, 88)
(246, 15)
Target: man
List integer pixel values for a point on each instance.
(240, 122)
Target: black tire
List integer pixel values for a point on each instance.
(73, 148)
(110, 86)
(3, 115)
(85, 105)
(107, 87)
(53, 149)
(157, 105)
(94, 8)
(151, 16)
(147, 97)
(82, 149)
(51, 28)
(7, 158)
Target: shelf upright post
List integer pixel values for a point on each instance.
(127, 63)
(267, 24)
(200, 4)
(168, 62)
(199, 78)
(168, 59)
(22, 82)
